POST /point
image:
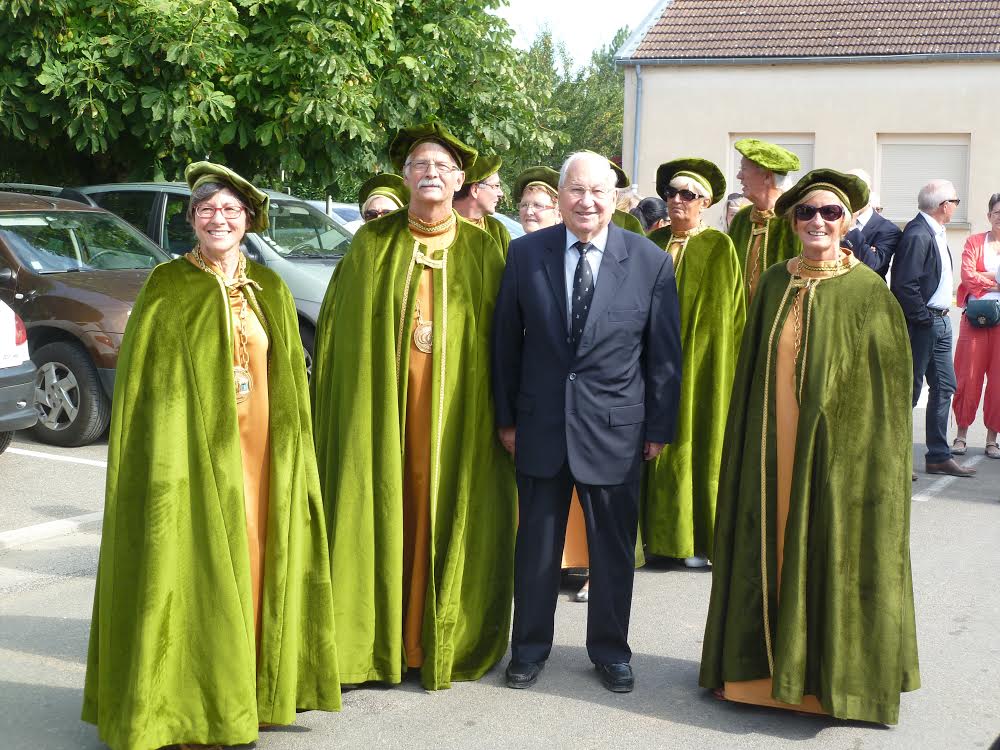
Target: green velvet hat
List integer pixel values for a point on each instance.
(203, 172)
(483, 168)
(541, 176)
(850, 189)
(408, 139)
(702, 171)
(389, 185)
(770, 156)
(621, 177)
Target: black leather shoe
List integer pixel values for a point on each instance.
(616, 677)
(950, 467)
(523, 674)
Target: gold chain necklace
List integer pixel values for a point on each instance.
(431, 229)
(824, 266)
(242, 379)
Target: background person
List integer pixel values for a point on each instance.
(812, 600)
(536, 196)
(476, 201)
(382, 194)
(922, 282)
(652, 214)
(621, 216)
(873, 238)
(213, 612)
(760, 236)
(681, 484)
(734, 202)
(586, 370)
(977, 352)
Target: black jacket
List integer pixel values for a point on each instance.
(875, 243)
(916, 271)
(595, 406)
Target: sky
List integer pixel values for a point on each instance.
(583, 25)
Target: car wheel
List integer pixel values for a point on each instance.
(72, 407)
(5, 438)
(308, 335)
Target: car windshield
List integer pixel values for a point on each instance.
(61, 241)
(297, 230)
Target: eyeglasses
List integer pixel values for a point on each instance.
(536, 207)
(685, 195)
(373, 213)
(956, 201)
(496, 187)
(578, 192)
(209, 212)
(422, 166)
(806, 212)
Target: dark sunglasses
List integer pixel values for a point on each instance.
(686, 195)
(806, 212)
(956, 201)
(371, 213)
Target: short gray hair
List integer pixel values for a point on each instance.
(208, 190)
(576, 156)
(933, 194)
(783, 182)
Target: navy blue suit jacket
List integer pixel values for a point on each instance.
(916, 271)
(875, 243)
(593, 407)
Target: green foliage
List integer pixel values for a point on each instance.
(308, 91)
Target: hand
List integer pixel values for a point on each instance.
(507, 438)
(652, 450)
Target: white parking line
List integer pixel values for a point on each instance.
(940, 484)
(58, 457)
(41, 531)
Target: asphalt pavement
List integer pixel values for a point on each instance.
(49, 539)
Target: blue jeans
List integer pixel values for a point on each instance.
(932, 360)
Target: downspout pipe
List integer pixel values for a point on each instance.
(637, 125)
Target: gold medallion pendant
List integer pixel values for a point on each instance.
(423, 336)
(244, 383)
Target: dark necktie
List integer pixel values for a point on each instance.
(583, 293)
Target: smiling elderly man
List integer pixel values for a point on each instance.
(418, 492)
(586, 379)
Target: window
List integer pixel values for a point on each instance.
(132, 205)
(800, 144)
(178, 236)
(908, 162)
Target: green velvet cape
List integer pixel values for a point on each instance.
(359, 414)
(782, 242)
(172, 644)
(627, 221)
(844, 630)
(499, 233)
(680, 487)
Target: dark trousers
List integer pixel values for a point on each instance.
(611, 514)
(932, 361)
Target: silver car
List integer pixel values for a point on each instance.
(302, 244)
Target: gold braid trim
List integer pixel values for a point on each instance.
(763, 483)
(811, 292)
(405, 303)
(444, 358)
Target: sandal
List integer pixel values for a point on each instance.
(956, 451)
(992, 450)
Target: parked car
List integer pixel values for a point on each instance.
(345, 214)
(72, 273)
(302, 244)
(513, 225)
(17, 377)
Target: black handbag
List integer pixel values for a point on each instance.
(983, 313)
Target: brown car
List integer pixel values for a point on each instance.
(72, 272)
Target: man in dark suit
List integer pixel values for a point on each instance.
(922, 282)
(872, 238)
(586, 380)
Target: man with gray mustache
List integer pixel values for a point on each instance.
(418, 491)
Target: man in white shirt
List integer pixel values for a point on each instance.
(922, 282)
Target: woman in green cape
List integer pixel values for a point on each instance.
(812, 600)
(678, 500)
(213, 612)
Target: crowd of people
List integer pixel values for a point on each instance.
(484, 413)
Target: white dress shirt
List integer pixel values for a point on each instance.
(942, 297)
(572, 258)
(864, 217)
